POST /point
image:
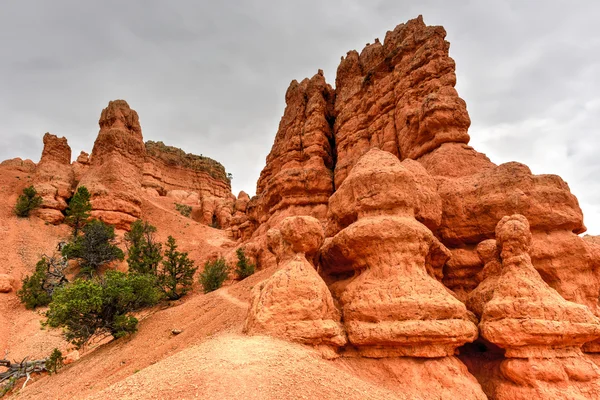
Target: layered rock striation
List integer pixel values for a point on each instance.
(122, 169)
(54, 179)
(541, 333)
(392, 305)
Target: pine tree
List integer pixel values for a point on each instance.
(176, 275)
(143, 252)
(243, 267)
(27, 202)
(79, 209)
(94, 248)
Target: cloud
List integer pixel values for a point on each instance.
(210, 77)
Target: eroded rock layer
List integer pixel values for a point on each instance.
(392, 306)
(298, 177)
(121, 168)
(398, 96)
(541, 332)
(54, 179)
(295, 303)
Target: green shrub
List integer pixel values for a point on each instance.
(214, 274)
(101, 306)
(143, 251)
(243, 268)
(32, 292)
(78, 212)
(176, 276)
(184, 209)
(95, 248)
(7, 386)
(27, 202)
(55, 361)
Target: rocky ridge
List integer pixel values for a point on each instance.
(122, 167)
(383, 239)
(421, 229)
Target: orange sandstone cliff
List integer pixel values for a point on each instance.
(395, 261)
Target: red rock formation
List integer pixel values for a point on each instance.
(19, 164)
(297, 179)
(489, 254)
(54, 179)
(298, 170)
(398, 96)
(115, 174)
(6, 283)
(295, 303)
(81, 165)
(541, 332)
(168, 168)
(392, 307)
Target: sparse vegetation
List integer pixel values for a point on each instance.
(176, 276)
(27, 202)
(78, 212)
(184, 209)
(37, 289)
(95, 248)
(173, 156)
(214, 274)
(244, 268)
(143, 251)
(55, 361)
(101, 306)
(32, 292)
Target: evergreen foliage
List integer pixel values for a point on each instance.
(143, 251)
(243, 268)
(32, 292)
(27, 202)
(214, 274)
(78, 212)
(55, 361)
(176, 275)
(101, 306)
(94, 248)
(184, 209)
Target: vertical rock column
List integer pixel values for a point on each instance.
(54, 178)
(115, 173)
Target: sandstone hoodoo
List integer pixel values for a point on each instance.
(392, 306)
(115, 175)
(54, 179)
(541, 332)
(295, 303)
(412, 263)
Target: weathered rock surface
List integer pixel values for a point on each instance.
(295, 303)
(541, 332)
(489, 254)
(298, 177)
(115, 174)
(6, 283)
(168, 168)
(19, 164)
(473, 205)
(54, 179)
(398, 96)
(392, 307)
(122, 167)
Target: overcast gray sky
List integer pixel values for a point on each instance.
(210, 77)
